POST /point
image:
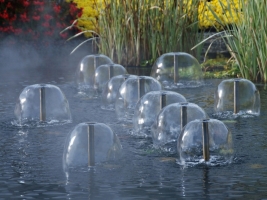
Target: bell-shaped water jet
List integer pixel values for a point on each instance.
(172, 119)
(85, 74)
(90, 143)
(130, 92)
(237, 95)
(42, 103)
(149, 106)
(111, 89)
(105, 72)
(177, 69)
(207, 140)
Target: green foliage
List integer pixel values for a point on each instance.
(246, 40)
(134, 32)
(220, 67)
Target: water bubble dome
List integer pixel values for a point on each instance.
(237, 95)
(90, 143)
(207, 140)
(42, 102)
(172, 119)
(149, 106)
(177, 69)
(85, 74)
(105, 72)
(131, 91)
(111, 89)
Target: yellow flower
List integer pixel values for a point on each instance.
(228, 11)
(88, 20)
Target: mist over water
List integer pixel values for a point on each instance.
(14, 54)
(21, 60)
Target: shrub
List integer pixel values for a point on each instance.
(36, 20)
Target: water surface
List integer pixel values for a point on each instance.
(31, 157)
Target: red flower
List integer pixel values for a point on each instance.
(26, 3)
(18, 31)
(80, 13)
(4, 15)
(12, 19)
(9, 5)
(24, 17)
(45, 24)
(41, 3)
(38, 3)
(73, 9)
(72, 21)
(57, 8)
(48, 17)
(49, 33)
(36, 17)
(8, 29)
(64, 35)
(59, 25)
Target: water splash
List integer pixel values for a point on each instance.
(196, 161)
(182, 84)
(231, 115)
(38, 124)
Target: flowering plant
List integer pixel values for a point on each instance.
(89, 17)
(229, 12)
(219, 13)
(36, 19)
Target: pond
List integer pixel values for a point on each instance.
(31, 157)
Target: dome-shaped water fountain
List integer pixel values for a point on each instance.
(85, 74)
(149, 106)
(172, 119)
(130, 92)
(237, 95)
(42, 103)
(105, 72)
(90, 143)
(111, 89)
(177, 69)
(207, 140)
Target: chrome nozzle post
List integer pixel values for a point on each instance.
(205, 137)
(91, 145)
(96, 63)
(96, 58)
(125, 101)
(42, 104)
(141, 87)
(176, 70)
(183, 115)
(163, 100)
(236, 96)
(111, 71)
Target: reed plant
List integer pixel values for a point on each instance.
(247, 39)
(136, 32)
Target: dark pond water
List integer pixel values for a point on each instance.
(31, 158)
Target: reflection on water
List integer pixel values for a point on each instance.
(31, 157)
